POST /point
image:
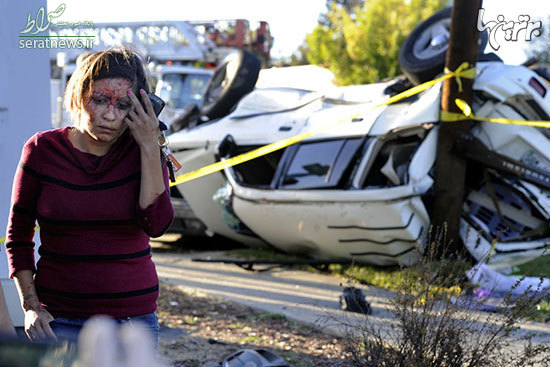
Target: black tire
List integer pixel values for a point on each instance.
(422, 56)
(234, 77)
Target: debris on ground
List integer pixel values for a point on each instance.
(197, 330)
(353, 300)
(491, 280)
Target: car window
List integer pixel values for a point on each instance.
(180, 90)
(391, 164)
(320, 164)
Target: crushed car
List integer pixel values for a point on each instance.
(363, 190)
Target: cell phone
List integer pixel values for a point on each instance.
(156, 101)
(158, 105)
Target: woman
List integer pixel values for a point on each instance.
(99, 191)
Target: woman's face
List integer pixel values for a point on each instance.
(103, 114)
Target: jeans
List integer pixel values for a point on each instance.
(69, 328)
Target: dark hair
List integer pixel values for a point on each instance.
(119, 62)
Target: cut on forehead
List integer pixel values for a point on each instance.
(113, 89)
(112, 85)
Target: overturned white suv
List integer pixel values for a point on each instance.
(363, 189)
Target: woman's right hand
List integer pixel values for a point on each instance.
(37, 325)
(37, 319)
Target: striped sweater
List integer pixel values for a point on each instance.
(95, 256)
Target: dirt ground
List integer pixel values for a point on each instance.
(197, 330)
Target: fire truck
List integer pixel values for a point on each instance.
(239, 33)
(172, 50)
(175, 41)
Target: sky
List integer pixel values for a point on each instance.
(290, 20)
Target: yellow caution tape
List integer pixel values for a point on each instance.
(241, 158)
(463, 71)
(468, 115)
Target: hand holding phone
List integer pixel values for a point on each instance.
(140, 120)
(158, 105)
(156, 101)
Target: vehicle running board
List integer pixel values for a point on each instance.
(321, 265)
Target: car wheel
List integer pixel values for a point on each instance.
(422, 55)
(235, 76)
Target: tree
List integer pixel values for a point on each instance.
(362, 45)
(299, 57)
(348, 5)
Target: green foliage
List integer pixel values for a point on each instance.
(363, 47)
(379, 277)
(540, 267)
(252, 339)
(299, 57)
(542, 313)
(348, 5)
(434, 328)
(191, 320)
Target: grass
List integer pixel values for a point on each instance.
(542, 314)
(392, 278)
(236, 325)
(429, 330)
(387, 277)
(191, 320)
(539, 267)
(381, 277)
(293, 359)
(251, 339)
(536, 268)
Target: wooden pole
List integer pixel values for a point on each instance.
(450, 170)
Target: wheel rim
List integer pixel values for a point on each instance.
(433, 41)
(216, 86)
(221, 79)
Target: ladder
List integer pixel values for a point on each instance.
(157, 41)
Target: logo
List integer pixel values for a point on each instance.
(31, 36)
(511, 28)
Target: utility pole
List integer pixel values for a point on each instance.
(450, 169)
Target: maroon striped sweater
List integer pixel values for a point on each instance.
(95, 256)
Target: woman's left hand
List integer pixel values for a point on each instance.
(143, 123)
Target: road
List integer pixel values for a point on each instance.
(299, 295)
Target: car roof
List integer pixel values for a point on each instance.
(182, 69)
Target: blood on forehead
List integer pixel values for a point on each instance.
(112, 88)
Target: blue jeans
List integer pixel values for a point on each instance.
(69, 328)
